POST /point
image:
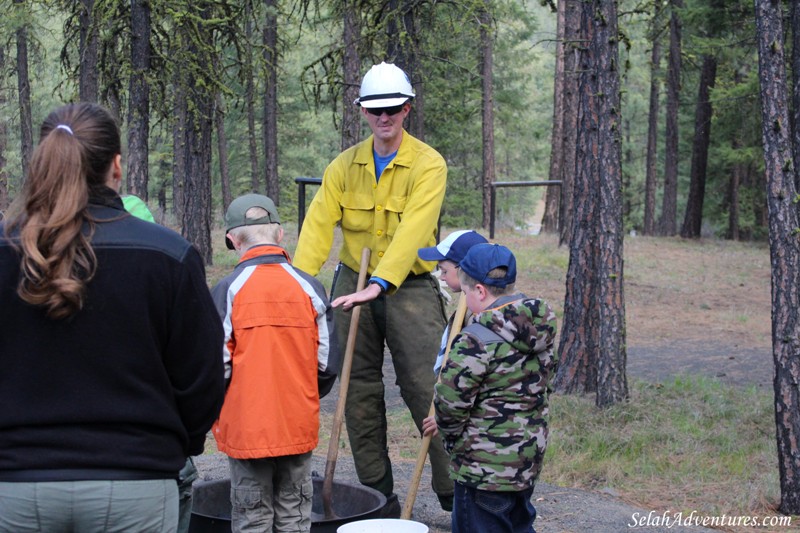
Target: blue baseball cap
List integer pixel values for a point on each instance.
(453, 248)
(483, 258)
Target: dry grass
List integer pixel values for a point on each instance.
(689, 444)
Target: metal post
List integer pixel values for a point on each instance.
(301, 198)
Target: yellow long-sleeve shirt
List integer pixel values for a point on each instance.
(394, 217)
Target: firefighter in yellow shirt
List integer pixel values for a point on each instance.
(386, 193)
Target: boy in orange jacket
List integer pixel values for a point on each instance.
(280, 357)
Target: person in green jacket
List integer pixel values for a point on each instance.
(188, 474)
(385, 193)
(136, 207)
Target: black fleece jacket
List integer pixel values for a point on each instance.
(126, 388)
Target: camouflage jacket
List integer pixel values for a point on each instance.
(491, 403)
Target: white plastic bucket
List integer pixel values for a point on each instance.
(383, 525)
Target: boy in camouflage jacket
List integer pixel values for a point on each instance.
(491, 404)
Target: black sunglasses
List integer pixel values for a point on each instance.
(391, 111)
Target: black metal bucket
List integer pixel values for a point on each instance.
(211, 506)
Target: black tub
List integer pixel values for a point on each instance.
(211, 506)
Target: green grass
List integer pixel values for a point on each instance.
(689, 444)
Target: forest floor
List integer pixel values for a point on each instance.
(697, 308)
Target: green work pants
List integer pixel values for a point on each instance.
(410, 323)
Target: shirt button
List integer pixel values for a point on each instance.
(379, 207)
(380, 254)
(379, 233)
(374, 185)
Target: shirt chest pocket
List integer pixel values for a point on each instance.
(395, 206)
(358, 211)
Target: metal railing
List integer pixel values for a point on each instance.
(494, 185)
(302, 182)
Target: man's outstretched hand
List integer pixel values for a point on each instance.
(348, 301)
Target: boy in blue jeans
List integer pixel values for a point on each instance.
(491, 404)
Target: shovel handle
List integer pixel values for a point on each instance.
(455, 329)
(344, 383)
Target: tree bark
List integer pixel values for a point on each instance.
(606, 173)
(552, 194)
(222, 153)
(250, 102)
(351, 121)
(571, 102)
(651, 176)
(693, 220)
(401, 49)
(669, 206)
(110, 67)
(3, 139)
(784, 248)
(88, 83)
(270, 118)
(794, 17)
(487, 109)
(198, 110)
(593, 355)
(577, 368)
(24, 95)
(138, 174)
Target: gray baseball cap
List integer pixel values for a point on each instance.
(235, 215)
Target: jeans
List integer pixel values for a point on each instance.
(481, 511)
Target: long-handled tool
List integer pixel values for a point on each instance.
(458, 322)
(344, 383)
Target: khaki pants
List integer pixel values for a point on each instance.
(147, 506)
(271, 494)
(410, 322)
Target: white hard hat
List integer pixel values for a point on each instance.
(385, 85)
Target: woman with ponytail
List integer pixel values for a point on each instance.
(109, 344)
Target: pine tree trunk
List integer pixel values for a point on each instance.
(669, 206)
(487, 108)
(271, 100)
(250, 101)
(794, 17)
(784, 248)
(577, 368)
(110, 65)
(197, 136)
(179, 125)
(222, 153)
(3, 139)
(553, 194)
(138, 175)
(612, 382)
(571, 102)
(351, 121)
(693, 221)
(592, 346)
(88, 83)
(24, 96)
(651, 175)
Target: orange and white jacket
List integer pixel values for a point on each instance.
(280, 356)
